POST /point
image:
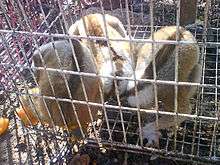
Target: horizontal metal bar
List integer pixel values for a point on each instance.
(65, 36)
(150, 111)
(117, 77)
(149, 151)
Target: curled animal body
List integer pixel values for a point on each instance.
(112, 57)
(55, 84)
(189, 70)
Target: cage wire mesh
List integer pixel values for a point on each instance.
(27, 25)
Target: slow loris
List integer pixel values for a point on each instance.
(189, 70)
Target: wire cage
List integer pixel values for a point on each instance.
(114, 137)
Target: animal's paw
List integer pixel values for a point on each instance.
(152, 135)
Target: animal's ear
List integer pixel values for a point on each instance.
(84, 57)
(74, 29)
(78, 49)
(116, 24)
(36, 62)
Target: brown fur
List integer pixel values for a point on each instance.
(189, 70)
(60, 89)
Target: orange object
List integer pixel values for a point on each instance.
(24, 112)
(4, 123)
(24, 115)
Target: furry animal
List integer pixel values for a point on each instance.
(61, 113)
(189, 70)
(111, 60)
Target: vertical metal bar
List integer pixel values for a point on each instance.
(27, 22)
(111, 7)
(135, 81)
(114, 80)
(154, 62)
(5, 15)
(198, 106)
(17, 138)
(142, 10)
(218, 19)
(121, 6)
(176, 72)
(183, 141)
(135, 31)
(54, 129)
(163, 11)
(12, 79)
(81, 79)
(213, 148)
(213, 142)
(99, 85)
(146, 32)
(198, 103)
(44, 17)
(204, 47)
(132, 13)
(65, 81)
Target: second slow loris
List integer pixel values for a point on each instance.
(189, 70)
(110, 59)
